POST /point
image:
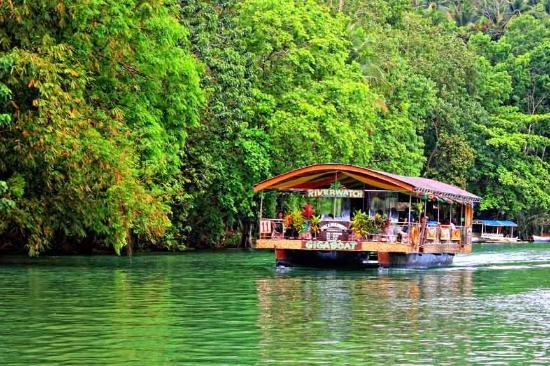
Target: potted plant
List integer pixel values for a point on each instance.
(296, 222)
(314, 223)
(362, 224)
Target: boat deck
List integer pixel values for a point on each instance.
(362, 246)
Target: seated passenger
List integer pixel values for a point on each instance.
(387, 228)
(404, 231)
(278, 225)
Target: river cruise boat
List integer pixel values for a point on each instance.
(544, 234)
(494, 231)
(346, 215)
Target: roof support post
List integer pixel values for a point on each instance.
(334, 198)
(260, 213)
(426, 207)
(410, 204)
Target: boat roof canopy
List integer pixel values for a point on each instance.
(496, 223)
(355, 177)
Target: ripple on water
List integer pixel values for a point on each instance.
(234, 308)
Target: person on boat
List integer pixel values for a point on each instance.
(404, 231)
(278, 227)
(388, 230)
(423, 228)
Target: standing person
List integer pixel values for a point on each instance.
(388, 230)
(423, 228)
(452, 224)
(403, 233)
(279, 227)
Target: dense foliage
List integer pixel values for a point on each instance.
(96, 99)
(149, 121)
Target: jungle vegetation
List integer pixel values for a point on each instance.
(145, 122)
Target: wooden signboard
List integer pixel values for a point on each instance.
(335, 193)
(331, 245)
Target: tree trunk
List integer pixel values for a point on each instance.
(246, 233)
(130, 244)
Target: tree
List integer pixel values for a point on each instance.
(100, 94)
(514, 179)
(283, 94)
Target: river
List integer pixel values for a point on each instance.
(234, 308)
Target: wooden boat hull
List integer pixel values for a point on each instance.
(357, 260)
(415, 260)
(541, 239)
(325, 259)
(499, 240)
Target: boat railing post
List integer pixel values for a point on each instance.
(260, 214)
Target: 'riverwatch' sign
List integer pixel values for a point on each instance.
(331, 245)
(338, 193)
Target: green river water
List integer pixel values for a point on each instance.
(235, 308)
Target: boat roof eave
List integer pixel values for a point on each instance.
(315, 169)
(301, 179)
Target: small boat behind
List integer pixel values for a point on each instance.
(494, 231)
(544, 233)
(497, 238)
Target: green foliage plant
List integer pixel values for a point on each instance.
(418, 207)
(362, 224)
(314, 223)
(99, 95)
(298, 221)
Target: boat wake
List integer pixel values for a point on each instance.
(509, 260)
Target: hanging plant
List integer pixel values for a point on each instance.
(419, 207)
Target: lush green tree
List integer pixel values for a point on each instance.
(227, 152)
(513, 167)
(106, 134)
(528, 62)
(97, 95)
(512, 163)
(322, 108)
(430, 82)
(489, 16)
(282, 94)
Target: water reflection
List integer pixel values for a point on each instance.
(233, 308)
(424, 317)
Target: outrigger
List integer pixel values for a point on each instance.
(347, 215)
